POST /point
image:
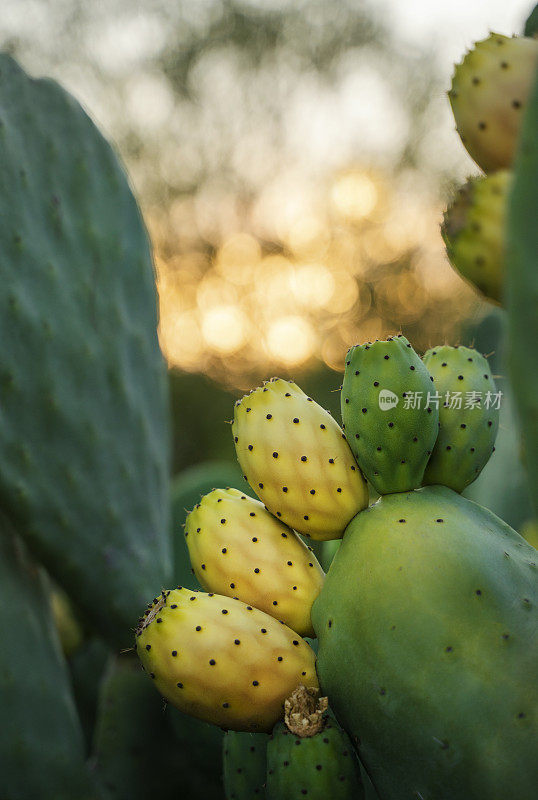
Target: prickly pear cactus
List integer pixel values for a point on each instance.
(319, 766)
(244, 757)
(136, 752)
(389, 422)
(468, 415)
(297, 460)
(221, 660)
(488, 96)
(83, 429)
(474, 232)
(239, 549)
(427, 648)
(41, 742)
(522, 288)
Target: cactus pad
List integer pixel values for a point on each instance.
(297, 460)
(222, 661)
(388, 420)
(488, 95)
(239, 549)
(428, 648)
(41, 741)
(468, 415)
(83, 428)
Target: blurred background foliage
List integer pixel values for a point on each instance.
(292, 161)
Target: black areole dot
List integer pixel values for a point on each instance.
(401, 520)
(198, 627)
(151, 674)
(148, 647)
(287, 394)
(236, 439)
(252, 513)
(255, 683)
(303, 458)
(232, 586)
(296, 420)
(322, 427)
(290, 563)
(256, 570)
(260, 485)
(222, 521)
(225, 705)
(312, 491)
(339, 489)
(331, 461)
(295, 642)
(179, 685)
(173, 606)
(386, 358)
(275, 454)
(391, 424)
(237, 641)
(279, 658)
(263, 630)
(159, 620)
(376, 383)
(268, 416)
(284, 535)
(174, 653)
(284, 488)
(223, 550)
(411, 367)
(212, 662)
(275, 602)
(364, 410)
(224, 611)
(251, 447)
(439, 520)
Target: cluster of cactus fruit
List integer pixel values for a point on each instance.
(427, 590)
(400, 668)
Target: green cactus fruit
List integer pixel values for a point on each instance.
(428, 648)
(469, 406)
(186, 490)
(84, 423)
(389, 422)
(42, 752)
(488, 95)
(474, 233)
(237, 548)
(244, 756)
(222, 661)
(296, 458)
(136, 753)
(319, 766)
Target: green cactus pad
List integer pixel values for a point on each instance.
(468, 415)
(137, 755)
(474, 233)
(319, 766)
(83, 428)
(244, 756)
(41, 742)
(389, 423)
(428, 648)
(522, 288)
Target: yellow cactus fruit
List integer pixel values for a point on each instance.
(297, 460)
(221, 660)
(237, 548)
(488, 94)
